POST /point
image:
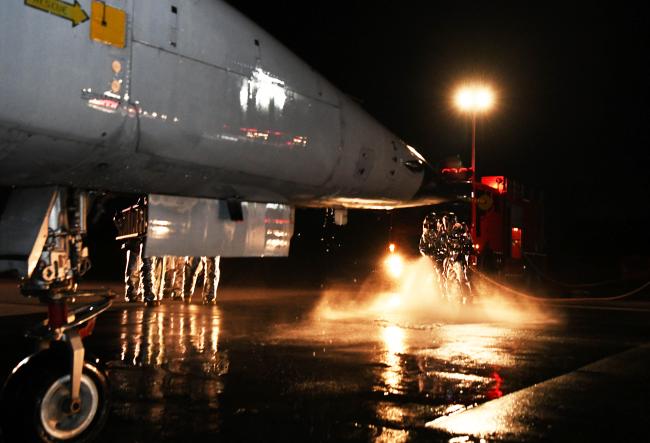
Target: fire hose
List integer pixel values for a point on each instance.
(561, 283)
(559, 299)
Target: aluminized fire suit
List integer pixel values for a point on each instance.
(432, 245)
(188, 270)
(139, 275)
(457, 261)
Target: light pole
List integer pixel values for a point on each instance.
(474, 98)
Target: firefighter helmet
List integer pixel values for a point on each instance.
(429, 221)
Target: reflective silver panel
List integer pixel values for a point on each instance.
(182, 226)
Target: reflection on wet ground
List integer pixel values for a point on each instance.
(276, 369)
(298, 366)
(169, 369)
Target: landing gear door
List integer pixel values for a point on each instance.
(24, 228)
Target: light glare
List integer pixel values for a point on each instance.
(394, 265)
(474, 98)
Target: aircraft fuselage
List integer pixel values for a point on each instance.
(199, 101)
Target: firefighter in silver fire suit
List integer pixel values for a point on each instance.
(168, 277)
(139, 275)
(178, 280)
(467, 242)
(132, 292)
(166, 274)
(193, 267)
(460, 248)
(139, 271)
(432, 245)
(428, 234)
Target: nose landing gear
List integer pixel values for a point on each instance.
(57, 394)
(54, 395)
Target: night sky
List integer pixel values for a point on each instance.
(573, 95)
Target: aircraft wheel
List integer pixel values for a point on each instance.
(35, 402)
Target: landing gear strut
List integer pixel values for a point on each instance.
(57, 394)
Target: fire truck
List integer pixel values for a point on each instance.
(509, 222)
(509, 231)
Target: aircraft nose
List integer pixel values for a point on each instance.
(437, 187)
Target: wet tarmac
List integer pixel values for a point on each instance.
(303, 366)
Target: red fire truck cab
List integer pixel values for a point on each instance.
(509, 224)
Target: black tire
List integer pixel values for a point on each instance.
(43, 377)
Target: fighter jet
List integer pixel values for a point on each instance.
(190, 104)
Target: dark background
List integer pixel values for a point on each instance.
(572, 82)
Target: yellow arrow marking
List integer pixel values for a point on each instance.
(73, 12)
